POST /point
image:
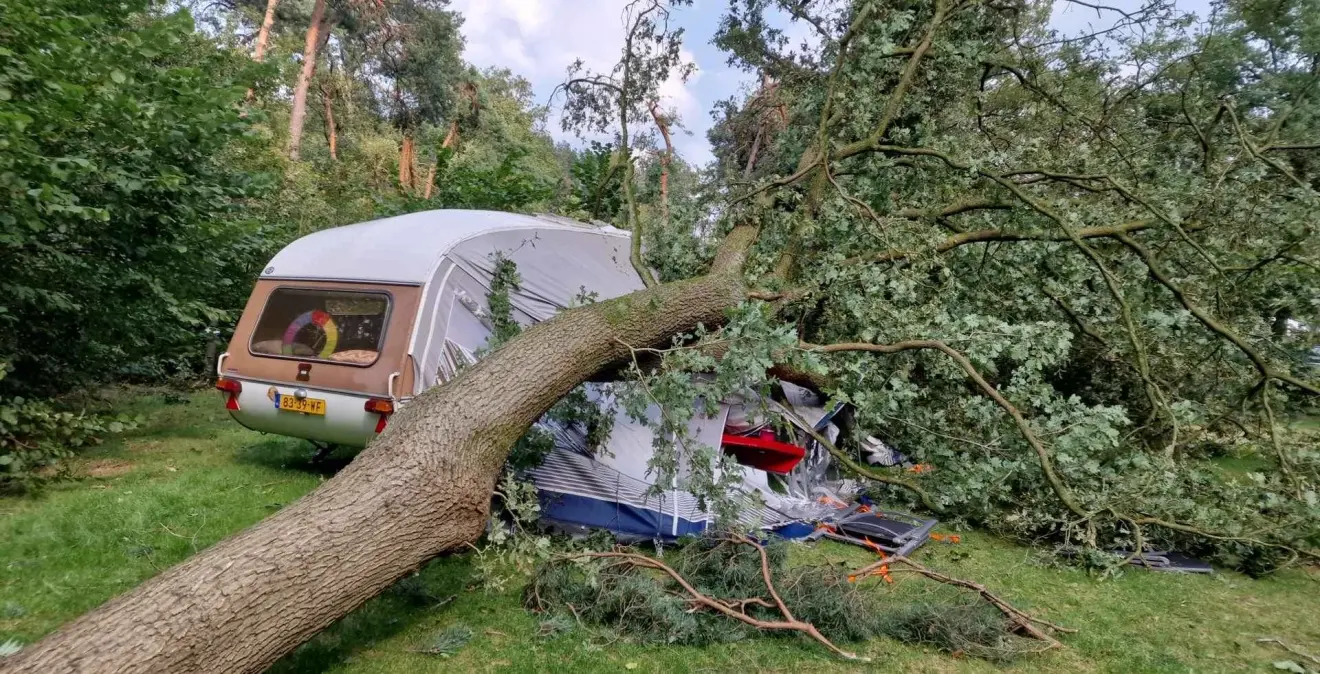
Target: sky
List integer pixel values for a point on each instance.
(539, 39)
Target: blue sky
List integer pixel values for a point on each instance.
(538, 39)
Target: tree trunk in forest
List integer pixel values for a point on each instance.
(407, 163)
(422, 488)
(263, 36)
(451, 139)
(331, 134)
(299, 113)
(466, 90)
(665, 160)
(430, 180)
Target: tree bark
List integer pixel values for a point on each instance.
(263, 36)
(423, 488)
(665, 160)
(331, 134)
(299, 113)
(751, 156)
(451, 140)
(407, 161)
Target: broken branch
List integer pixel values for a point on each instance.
(788, 624)
(1023, 620)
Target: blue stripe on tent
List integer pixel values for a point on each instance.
(617, 517)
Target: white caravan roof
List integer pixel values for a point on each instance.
(407, 249)
(452, 255)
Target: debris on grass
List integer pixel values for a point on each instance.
(555, 625)
(448, 642)
(1291, 649)
(725, 588)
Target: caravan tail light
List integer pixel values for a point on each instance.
(381, 406)
(231, 386)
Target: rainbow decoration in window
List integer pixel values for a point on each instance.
(321, 320)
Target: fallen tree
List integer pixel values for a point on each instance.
(1061, 277)
(421, 489)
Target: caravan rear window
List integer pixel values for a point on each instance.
(319, 324)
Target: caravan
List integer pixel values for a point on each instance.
(347, 325)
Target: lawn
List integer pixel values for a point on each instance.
(189, 477)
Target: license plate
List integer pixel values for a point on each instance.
(287, 403)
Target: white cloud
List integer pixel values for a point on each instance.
(680, 97)
(539, 39)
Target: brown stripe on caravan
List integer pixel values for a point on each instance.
(373, 379)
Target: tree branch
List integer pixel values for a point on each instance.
(788, 624)
(895, 102)
(857, 468)
(1209, 321)
(1046, 462)
(1020, 618)
(984, 235)
(1289, 148)
(956, 208)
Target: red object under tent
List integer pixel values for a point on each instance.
(763, 451)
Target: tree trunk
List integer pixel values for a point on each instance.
(331, 134)
(407, 181)
(422, 488)
(263, 36)
(665, 160)
(299, 113)
(756, 147)
(451, 139)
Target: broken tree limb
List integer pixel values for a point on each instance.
(1046, 462)
(789, 623)
(1065, 494)
(858, 469)
(1023, 620)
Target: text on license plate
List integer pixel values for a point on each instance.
(289, 403)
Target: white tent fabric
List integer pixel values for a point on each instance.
(615, 488)
(557, 267)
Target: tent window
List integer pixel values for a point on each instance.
(319, 324)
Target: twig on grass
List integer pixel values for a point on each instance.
(1295, 651)
(1023, 620)
(789, 623)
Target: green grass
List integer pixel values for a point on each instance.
(190, 476)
